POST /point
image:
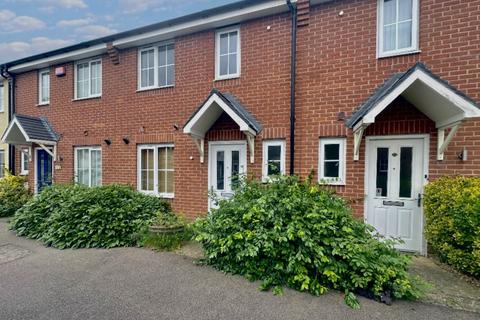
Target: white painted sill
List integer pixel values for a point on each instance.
(229, 77)
(87, 98)
(155, 88)
(398, 53)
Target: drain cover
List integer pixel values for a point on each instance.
(10, 252)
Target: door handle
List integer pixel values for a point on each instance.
(419, 200)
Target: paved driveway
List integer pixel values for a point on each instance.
(128, 283)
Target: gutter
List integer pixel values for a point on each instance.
(11, 111)
(293, 78)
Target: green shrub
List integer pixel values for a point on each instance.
(300, 235)
(13, 194)
(452, 211)
(74, 216)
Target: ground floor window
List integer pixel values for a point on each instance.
(24, 163)
(2, 163)
(88, 166)
(156, 170)
(332, 161)
(273, 158)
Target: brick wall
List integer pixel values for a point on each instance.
(338, 70)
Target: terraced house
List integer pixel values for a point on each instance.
(377, 97)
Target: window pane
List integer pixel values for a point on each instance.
(170, 158)
(162, 176)
(224, 43)
(162, 158)
(382, 171)
(331, 169)
(332, 151)
(2, 164)
(233, 42)
(147, 169)
(223, 65)
(220, 170)
(273, 168)
(170, 75)
(171, 54)
(170, 182)
(96, 165)
(162, 76)
(82, 166)
(274, 152)
(389, 12)
(404, 10)
(232, 65)
(147, 68)
(45, 87)
(389, 37)
(235, 168)
(96, 82)
(406, 156)
(162, 55)
(404, 34)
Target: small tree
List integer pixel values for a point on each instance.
(13, 194)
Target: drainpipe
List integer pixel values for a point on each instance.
(11, 111)
(293, 73)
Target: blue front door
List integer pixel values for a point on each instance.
(44, 170)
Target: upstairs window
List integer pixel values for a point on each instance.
(397, 27)
(227, 60)
(88, 79)
(273, 158)
(44, 87)
(156, 67)
(2, 97)
(88, 166)
(332, 161)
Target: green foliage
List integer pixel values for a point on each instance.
(73, 216)
(301, 235)
(13, 194)
(452, 210)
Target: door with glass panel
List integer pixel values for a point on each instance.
(227, 161)
(394, 185)
(44, 170)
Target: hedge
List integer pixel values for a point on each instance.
(73, 216)
(452, 211)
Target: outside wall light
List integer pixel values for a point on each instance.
(108, 141)
(126, 140)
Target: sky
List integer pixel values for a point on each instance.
(29, 27)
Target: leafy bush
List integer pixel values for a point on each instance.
(300, 235)
(452, 210)
(13, 194)
(74, 216)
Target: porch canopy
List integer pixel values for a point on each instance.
(26, 130)
(208, 113)
(435, 97)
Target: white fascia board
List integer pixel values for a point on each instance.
(60, 58)
(14, 122)
(210, 22)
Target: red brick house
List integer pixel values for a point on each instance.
(376, 96)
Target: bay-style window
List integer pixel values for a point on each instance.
(44, 87)
(88, 79)
(332, 158)
(88, 166)
(398, 27)
(227, 56)
(156, 170)
(273, 158)
(156, 66)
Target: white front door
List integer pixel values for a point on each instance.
(227, 160)
(395, 178)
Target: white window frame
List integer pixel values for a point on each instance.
(266, 144)
(90, 62)
(25, 153)
(415, 31)
(156, 66)
(154, 147)
(40, 85)
(90, 149)
(341, 180)
(217, 54)
(2, 96)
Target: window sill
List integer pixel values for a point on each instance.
(24, 173)
(398, 53)
(43, 104)
(159, 195)
(230, 77)
(155, 88)
(87, 98)
(326, 182)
